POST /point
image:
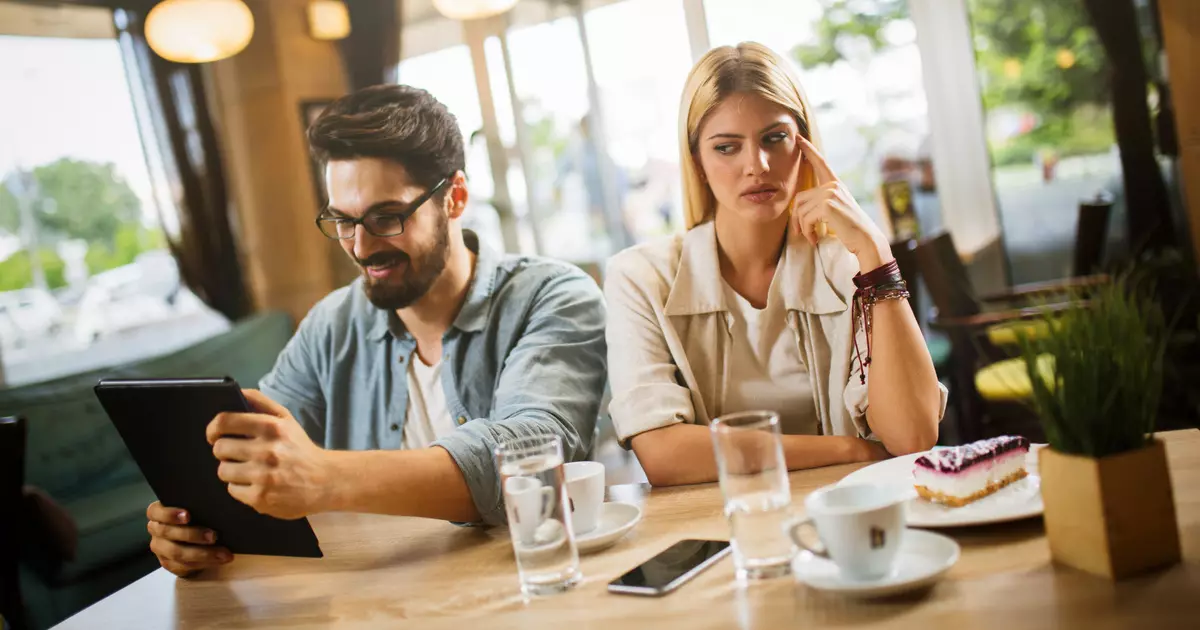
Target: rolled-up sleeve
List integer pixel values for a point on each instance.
(645, 392)
(551, 384)
(295, 380)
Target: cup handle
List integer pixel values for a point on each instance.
(547, 504)
(794, 531)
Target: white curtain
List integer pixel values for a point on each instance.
(959, 148)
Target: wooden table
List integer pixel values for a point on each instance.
(387, 571)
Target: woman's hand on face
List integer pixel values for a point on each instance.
(831, 203)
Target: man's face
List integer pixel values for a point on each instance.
(397, 270)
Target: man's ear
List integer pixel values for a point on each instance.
(457, 196)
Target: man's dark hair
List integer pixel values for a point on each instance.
(400, 123)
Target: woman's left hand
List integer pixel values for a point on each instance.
(830, 202)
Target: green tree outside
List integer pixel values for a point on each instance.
(860, 26)
(843, 19)
(17, 273)
(77, 200)
(131, 240)
(1040, 53)
(1043, 56)
(1040, 56)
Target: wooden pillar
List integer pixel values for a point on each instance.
(1181, 34)
(257, 98)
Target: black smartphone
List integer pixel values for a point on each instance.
(671, 568)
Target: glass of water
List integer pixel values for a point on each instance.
(539, 519)
(754, 482)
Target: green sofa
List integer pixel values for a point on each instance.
(76, 457)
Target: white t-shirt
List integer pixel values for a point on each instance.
(428, 418)
(765, 370)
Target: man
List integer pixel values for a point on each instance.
(395, 390)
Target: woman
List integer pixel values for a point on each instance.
(754, 306)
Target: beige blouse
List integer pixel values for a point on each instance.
(669, 332)
(765, 369)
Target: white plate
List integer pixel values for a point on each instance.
(616, 519)
(922, 559)
(1018, 500)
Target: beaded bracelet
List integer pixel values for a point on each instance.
(878, 285)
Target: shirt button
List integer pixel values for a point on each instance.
(402, 359)
(395, 427)
(462, 420)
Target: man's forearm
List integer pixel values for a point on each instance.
(423, 482)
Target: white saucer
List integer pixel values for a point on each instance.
(549, 537)
(616, 519)
(1018, 500)
(922, 559)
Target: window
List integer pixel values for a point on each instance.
(861, 69)
(1049, 125)
(641, 54)
(564, 189)
(85, 277)
(602, 167)
(447, 75)
(594, 165)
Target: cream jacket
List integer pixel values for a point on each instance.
(669, 334)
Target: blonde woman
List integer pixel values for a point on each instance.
(756, 306)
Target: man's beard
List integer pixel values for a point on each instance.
(418, 276)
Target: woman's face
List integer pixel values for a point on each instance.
(750, 157)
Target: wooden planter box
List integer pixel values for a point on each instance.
(1113, 516)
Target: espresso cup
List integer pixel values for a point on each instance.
(585, 488)
(530, 504)
(860, 527)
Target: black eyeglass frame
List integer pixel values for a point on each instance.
(332, 222)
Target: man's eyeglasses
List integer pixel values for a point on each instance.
(376, 223)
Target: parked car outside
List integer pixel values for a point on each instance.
(140, 293)
(26, 314)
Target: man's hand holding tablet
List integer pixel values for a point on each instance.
(234, 472)
(268, 461)
(182, 549)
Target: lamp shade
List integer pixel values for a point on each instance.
(196, 31)
(472, 9)
(328, 19)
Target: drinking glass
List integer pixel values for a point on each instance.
(754, 482)
(539, 520)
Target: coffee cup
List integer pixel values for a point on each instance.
(530, 503)
(860, 527)
(585, 488)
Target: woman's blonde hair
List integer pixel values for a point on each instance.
(747, 68)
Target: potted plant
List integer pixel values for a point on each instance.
(1105, 483)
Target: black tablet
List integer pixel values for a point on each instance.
(163, 422)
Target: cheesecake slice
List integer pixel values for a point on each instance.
(962, 474)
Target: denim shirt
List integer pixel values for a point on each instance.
(525, 356)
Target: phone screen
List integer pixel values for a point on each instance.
(669, 566)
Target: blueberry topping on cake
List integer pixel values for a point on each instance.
(962, 474)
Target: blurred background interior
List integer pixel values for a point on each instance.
(156, 216)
